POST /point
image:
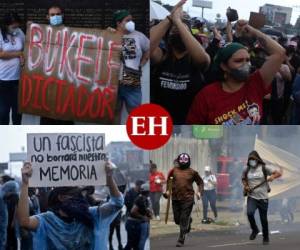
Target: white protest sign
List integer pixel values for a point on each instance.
(66, 159)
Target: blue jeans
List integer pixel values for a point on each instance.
(9, 102)
(133, 228)
(137, 234)
(144, 235)
(131, 96)
(155, 199)
(211, 197)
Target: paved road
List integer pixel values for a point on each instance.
(283, 237)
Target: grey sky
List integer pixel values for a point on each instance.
(244, 7)
(13, 138)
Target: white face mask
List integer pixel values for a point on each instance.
(130, 26)
(253, 163)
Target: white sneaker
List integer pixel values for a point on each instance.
(157, 217)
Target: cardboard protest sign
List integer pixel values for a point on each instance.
(70, 73)
(257, 20)
(66, 159)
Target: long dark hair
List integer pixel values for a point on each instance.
(8, 19)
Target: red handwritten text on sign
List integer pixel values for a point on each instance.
(70, 73)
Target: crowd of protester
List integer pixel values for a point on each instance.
(74, 217)
(135, 54)
(236, 74)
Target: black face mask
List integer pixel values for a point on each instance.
(184, 161)
(176, 42)
(242, 73)
(76, 208)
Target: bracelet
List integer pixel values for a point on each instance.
(170, 19)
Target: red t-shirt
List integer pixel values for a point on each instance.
(156, 181)
(213, 105)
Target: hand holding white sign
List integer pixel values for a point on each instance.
(66, 159)
(26, 172)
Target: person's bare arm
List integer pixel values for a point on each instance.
(112, 186)
(157, 33)
(145, 58)
(229, 32)
(285, 73)
(199, 191)
(274, 49)
(194, 48)
(276, 174)
(217, 34)
(25, 220)
(200, 185)
(10, 54)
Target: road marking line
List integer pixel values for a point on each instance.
(232, 244)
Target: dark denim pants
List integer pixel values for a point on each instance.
(9, 102)
(209, 196)
(262, 206)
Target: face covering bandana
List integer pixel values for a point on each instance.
(77, 208)
(176, 42)
(56, 20)
(130, 26)
(253, 163)
(242, 73)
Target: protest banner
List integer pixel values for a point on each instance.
(70, 73)
(66, 159)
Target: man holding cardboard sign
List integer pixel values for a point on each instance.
(70, 223)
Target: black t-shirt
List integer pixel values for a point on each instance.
(295, 61)
(174, 84)
(143, 204)
(130, 198)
